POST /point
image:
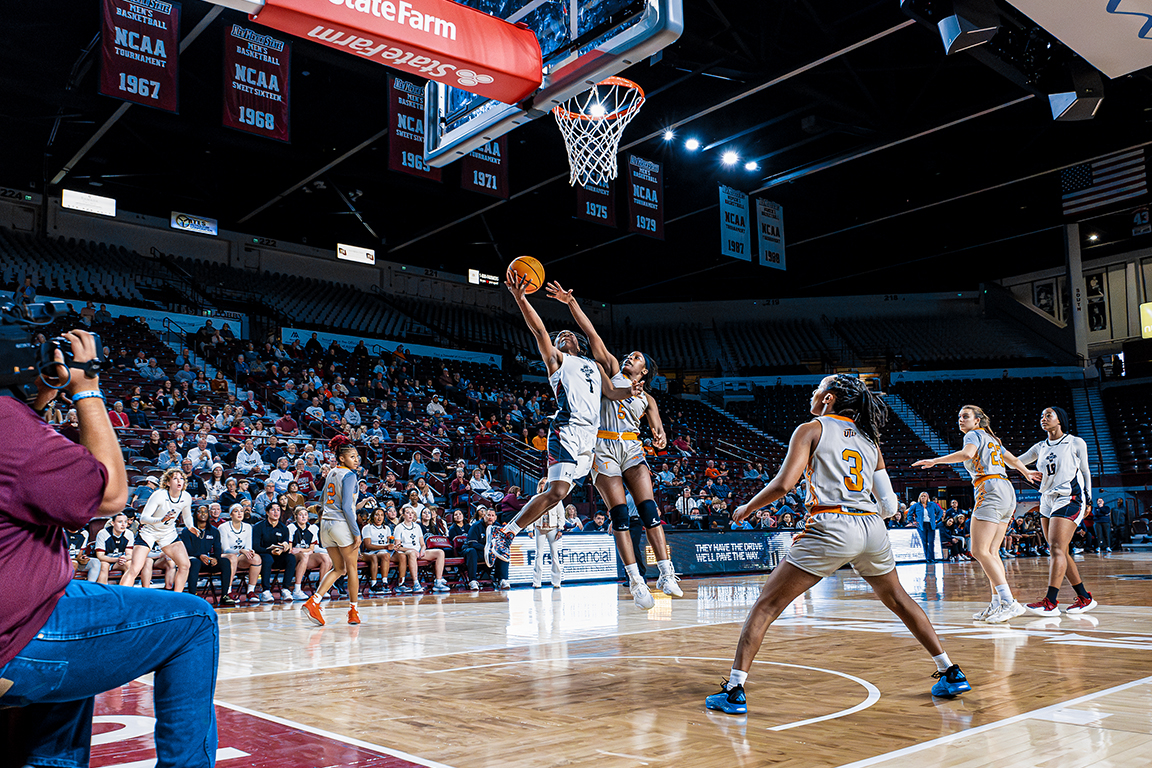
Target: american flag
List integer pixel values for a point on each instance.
(1117, 177)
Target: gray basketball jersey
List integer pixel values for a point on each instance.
(622, 415)
(334, 494)
(988, 459)
(839, 472)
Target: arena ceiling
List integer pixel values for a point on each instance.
(944, 211)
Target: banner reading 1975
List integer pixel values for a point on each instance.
(256, 74)
(139, 51)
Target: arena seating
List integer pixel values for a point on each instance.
(1013, 405)
(781, 346)
(76, 269)
(672, 346)
(938, 340)
(1129, 412)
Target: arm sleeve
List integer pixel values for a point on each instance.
(348, 500)
(1030, 456)
(882, 487)
(1084, 469)
(151, 512)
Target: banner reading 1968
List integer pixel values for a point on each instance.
(256, 74)
(139, 51)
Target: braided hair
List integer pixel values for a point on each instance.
(866, 408)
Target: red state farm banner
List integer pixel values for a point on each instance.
(406, 121)
(435, 39)
(485, 170)
(596, 204)
(645, 197)
(256, 78)
(139, 51)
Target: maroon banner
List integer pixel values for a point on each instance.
(645, 197)
(139, 51)
(597, 204)
(485, 170)
(406, 119)
(256, 80)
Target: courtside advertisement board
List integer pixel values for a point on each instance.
(583, 557)
(139, 52)
(256, 77)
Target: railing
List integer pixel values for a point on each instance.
(1095, 432)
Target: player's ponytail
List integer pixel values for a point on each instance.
(340, 446)
(982, 420)
(866, 408)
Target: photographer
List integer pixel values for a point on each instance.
(63, 641)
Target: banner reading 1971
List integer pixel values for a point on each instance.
(256, 74)
(139, 51)
(485, 170)
(735, 238)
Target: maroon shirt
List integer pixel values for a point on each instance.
(47, 484)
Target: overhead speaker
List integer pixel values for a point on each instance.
(1084, 100)
(972, 23)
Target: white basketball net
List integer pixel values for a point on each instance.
(592, 124)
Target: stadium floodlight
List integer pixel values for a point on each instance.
(751, 165)
(729, 158)
(692, 145)
(669, 135)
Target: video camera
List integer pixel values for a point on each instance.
(23, 360)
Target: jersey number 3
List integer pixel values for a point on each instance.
(853, 481)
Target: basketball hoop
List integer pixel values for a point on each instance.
(592, 124)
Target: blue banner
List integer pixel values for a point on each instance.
(735, 237)
(770, 229)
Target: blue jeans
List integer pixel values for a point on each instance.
(100, 637)
(928, 536)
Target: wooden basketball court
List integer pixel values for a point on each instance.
(578, 676)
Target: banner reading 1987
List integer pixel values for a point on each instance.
(139, 51)
(256, 74)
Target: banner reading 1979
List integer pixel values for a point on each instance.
(139, 51)
(646, 197)
(256, 73)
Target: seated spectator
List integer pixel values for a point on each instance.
(273, 453)
(202, 456)
(459, 525)
(219, 384)
(137, 417)
(378, 546)
(141, 361)
(113, 549)
(153, 372)
(683, 444)
(480, 486)
(170, 458)
(117, 416)
(231, 494)
(248, 459)
(458, 489)
(474, 551)
(540, 441)
(259, 434)
(214, 483)
(185, 374)
(153, 447)
(750, 472)
(410, 539)
(435, 465)
(140, 493)
(206, 556)
(286, 426)
(416, 467)
(103, 316)
(304, 479)
(306, 549)
(572, 521)
(77, 544)
(252, 406)
(236, 544)
(599, 523)
(511, 504)
(351, 415)
(281, 475)
(261, 502)
(435, 407)
(271, 541)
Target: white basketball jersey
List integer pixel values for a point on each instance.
(1063, 464)
(376, 534)
(577, 386)
(232, 541)
(334, 494)
(622, 415)
(840, 470)
(410, 536)
(988, 459)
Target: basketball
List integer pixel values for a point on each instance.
(531, 268)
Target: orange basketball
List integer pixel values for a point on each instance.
(531, 268)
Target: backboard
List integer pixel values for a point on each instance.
(582, 42)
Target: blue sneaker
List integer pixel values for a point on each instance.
(498, 546)
(951, 683)
(403, 589)
(730, 700)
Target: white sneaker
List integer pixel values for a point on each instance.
(556, 584)
(1005, 612)
(298, 594)
(987, 611)
(642, 597)
(669, 586)
(266, 596)
(440, 585)
(286, 595)
(504, 584)
(474, 586)
(536, 584)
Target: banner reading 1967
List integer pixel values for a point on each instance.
(256, 75)
(139, 51)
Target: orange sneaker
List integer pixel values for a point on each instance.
(312, 610)
(353, 616)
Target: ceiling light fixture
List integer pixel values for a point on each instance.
(692, 145)
(729, 158)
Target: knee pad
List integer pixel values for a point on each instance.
(649, 513)
(619, 515)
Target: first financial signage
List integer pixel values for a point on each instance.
(140, 48)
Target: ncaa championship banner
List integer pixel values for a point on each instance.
(406, 138)
(596, 204)
(770, 230)
(139, 52)
(256, 75)
(583, 557)
(645, 197)
(485, 170)
(735, 237)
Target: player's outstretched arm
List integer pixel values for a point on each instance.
(800, 448)
(614, 393)
(659, 439)
(1011, 460)
(600, 352)
(964, 454)
(548, 352)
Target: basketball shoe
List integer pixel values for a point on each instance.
(1044, 607)
(353, 615)
(1082, 605)
(987, 611)
(951, 682)
(312, 610)
(642, 596)
(667, 583)
(498, 546)
(730, 700)
(1006, 612)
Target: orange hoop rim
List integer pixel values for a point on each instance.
(562, 112)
